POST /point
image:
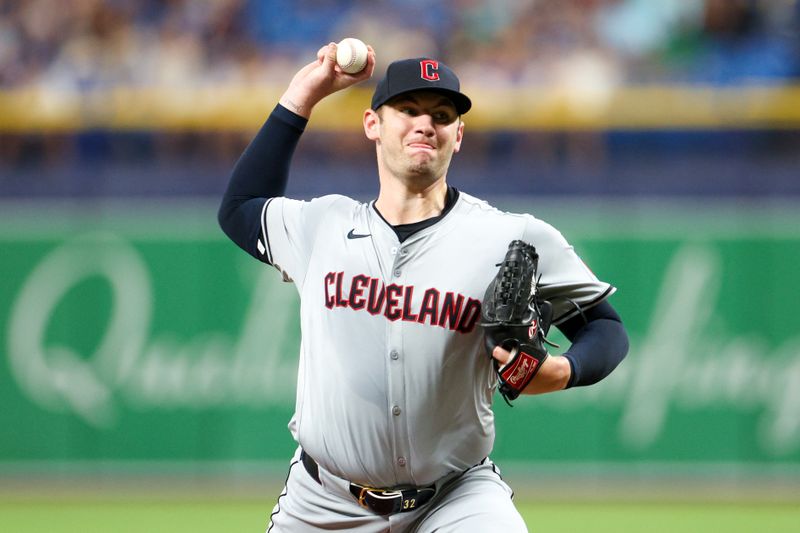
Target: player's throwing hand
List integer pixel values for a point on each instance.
(321, 78)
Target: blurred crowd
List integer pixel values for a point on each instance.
(86, 44)
(74, 47)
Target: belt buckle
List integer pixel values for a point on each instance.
(382, 502)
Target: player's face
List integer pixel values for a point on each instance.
(417, 135)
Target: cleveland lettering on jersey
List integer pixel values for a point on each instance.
(396, 302)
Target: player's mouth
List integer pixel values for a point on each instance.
(421, 146)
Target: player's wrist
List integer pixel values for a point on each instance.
(562, 371)
(553, 376)
(298, 102)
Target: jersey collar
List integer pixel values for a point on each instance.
(404, 231)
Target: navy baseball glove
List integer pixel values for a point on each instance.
(515, 318)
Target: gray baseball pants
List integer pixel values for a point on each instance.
(477, 500)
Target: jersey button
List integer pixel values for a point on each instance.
(394, 355)
(397, 273)
(396, 410)
(401, 461)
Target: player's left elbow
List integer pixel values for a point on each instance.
(595, 359)
(619, 345)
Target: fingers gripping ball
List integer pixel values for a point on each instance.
(516, 319)
(351, 55)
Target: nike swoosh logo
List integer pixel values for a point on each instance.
(353, 235)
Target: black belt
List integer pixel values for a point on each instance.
(381, 501)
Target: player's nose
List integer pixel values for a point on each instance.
(423, 123)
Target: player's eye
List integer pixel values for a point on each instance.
(443, 117)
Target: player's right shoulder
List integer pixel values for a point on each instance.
(310, 214)
(339, 201)
(292, 226)
(329, 201)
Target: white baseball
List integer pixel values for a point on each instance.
(351, 55)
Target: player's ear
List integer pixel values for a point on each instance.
(372, 124)
(459, 135)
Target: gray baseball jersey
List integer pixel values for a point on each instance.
(394, 384)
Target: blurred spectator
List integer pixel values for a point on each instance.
(578, 51)
(85, 44)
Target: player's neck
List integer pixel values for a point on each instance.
(399, 204)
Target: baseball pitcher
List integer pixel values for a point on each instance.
(416, 309)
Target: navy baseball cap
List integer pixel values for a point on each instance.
(420, 74)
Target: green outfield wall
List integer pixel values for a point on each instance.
(141, 336)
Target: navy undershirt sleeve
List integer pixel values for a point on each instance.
(260, 174)
(599, 344)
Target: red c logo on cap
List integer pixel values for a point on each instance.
(429, 69)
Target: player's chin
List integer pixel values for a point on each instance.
(422, 155)
(422, 169)
(423, 161)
